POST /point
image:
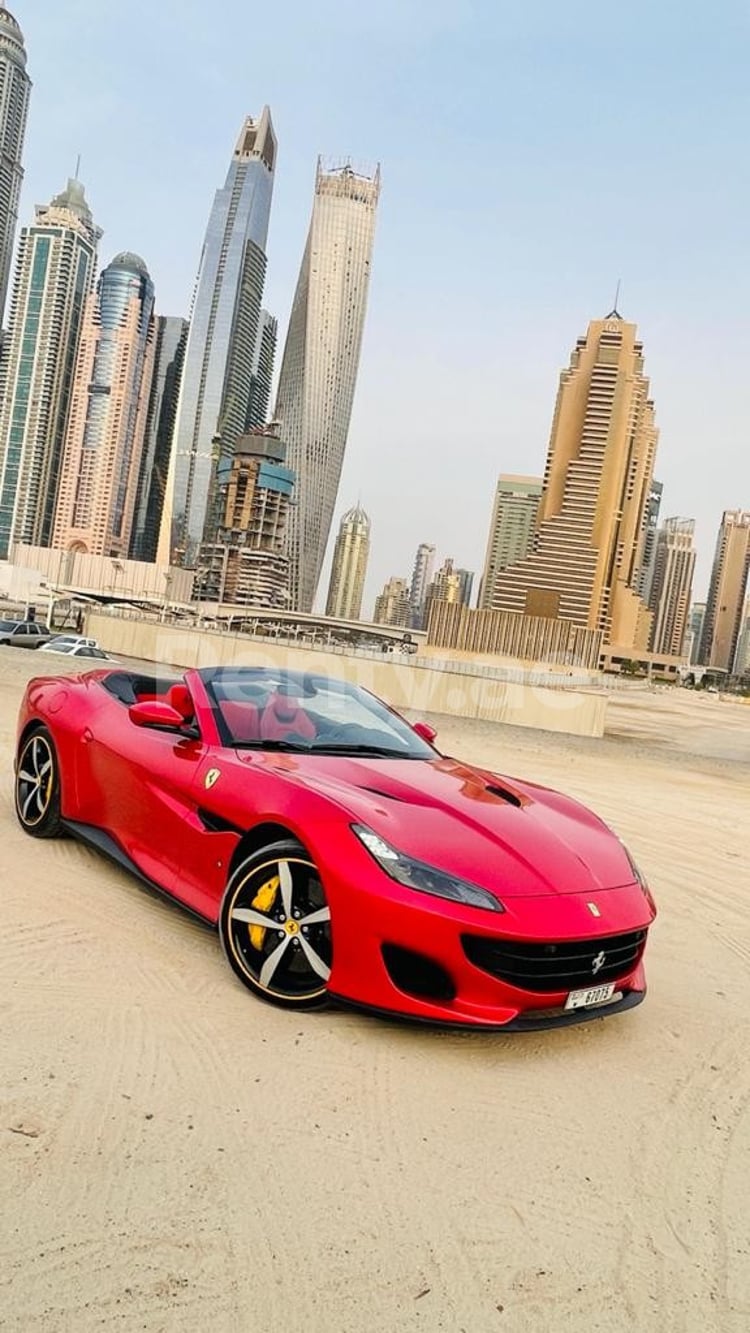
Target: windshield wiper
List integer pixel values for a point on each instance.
(380, 751)
(297, 747)
(335, 747)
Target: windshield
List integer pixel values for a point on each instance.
(299, 711)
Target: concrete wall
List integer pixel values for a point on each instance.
(98, 573)
(416, 687)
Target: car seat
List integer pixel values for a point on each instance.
(241, 718)
(282, 717)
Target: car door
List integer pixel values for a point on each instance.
(141, 780)
(20, 637)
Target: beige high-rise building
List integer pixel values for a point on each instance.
(586, 551)
(446, 586)
(514, 512)
(672, 585)
(321, 359)
(108, 410)
(726, 594)
(349, 569)
(392, 607)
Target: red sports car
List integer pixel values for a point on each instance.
(340, 854)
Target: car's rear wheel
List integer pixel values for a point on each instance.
(38, 786)
(275, 926)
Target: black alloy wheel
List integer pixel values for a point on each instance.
(37, 790)
(275, 927)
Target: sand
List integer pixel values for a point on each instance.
(176, 1156)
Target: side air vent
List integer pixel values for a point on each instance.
(214, 823)
(417, 975)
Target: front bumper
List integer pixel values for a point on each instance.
(369, 915)
(529, 1021)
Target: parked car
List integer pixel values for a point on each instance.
(23, 633)
(65, 648)
(339, 854)
(74, 638)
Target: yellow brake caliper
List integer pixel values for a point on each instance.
(263, 901)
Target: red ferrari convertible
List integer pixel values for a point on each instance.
(340, 854)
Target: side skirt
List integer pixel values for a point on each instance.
(102, 842)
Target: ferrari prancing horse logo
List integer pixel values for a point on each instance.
(594, 910)
(212, 776)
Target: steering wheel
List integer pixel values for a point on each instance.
(345, 733)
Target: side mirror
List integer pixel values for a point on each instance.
(424, 730)
(153, 713)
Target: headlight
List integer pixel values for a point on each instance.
(424, 878)
(639, 876)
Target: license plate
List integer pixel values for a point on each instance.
(584, 999)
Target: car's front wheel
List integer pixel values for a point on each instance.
(38, 786)
(275, 926)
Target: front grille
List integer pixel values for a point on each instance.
(564, 966)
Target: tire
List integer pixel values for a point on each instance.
(37, 786)
(275, 927)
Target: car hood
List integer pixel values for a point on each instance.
(514, 838)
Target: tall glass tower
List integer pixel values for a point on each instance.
(321, 359)
(108, 409)
(262, 377)
(54, 275)
(214, 399)
(15, 88)
(169, 356)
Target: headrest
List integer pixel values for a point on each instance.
(284, 707)
(178, 697)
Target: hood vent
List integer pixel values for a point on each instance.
(504, 794)
(386, 795)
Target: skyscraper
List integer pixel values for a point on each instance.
(695, 629)
(321, 358)
(586, 553)
(349, 569)
(727, 590)
(214, 403)
(169, 355)
(261, 376)
(514, 512)
(245, 562)
(465, 585)
(672, 585)
(445, 587)
(15, 89)
(651, 527)
(392, 606)
(742, 656)
(421, 574)
(54, 275)
(109, 402)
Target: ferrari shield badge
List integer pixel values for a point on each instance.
(212, 776)
(594, 910)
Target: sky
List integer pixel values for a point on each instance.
(532, 155)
